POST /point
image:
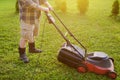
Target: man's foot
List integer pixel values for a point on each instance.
(35, 51)
(24, 58)
(32, 48)
(22, 55)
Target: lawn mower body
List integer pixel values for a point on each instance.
(97, 62)
(68, 55)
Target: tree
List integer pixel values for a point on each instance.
(115, 8)
(82, 6)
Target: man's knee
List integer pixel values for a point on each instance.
(28, 35)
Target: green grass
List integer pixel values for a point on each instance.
(96, 31)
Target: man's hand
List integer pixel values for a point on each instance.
(50, 8)
(45, 9)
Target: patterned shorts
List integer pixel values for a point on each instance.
(28, 31)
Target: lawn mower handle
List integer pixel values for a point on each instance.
(52, 20)
(69, 31)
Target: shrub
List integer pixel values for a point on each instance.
(115, 8)
(61, 5)
(82, 6)
(17, 7)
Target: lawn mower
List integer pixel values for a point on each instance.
(78, 58)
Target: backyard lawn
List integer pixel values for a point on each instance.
(96, 31)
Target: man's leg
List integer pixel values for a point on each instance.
(25, 35)
(22, 50)
(23, 43)
(32, 48)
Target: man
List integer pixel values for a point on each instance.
(30, 12)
